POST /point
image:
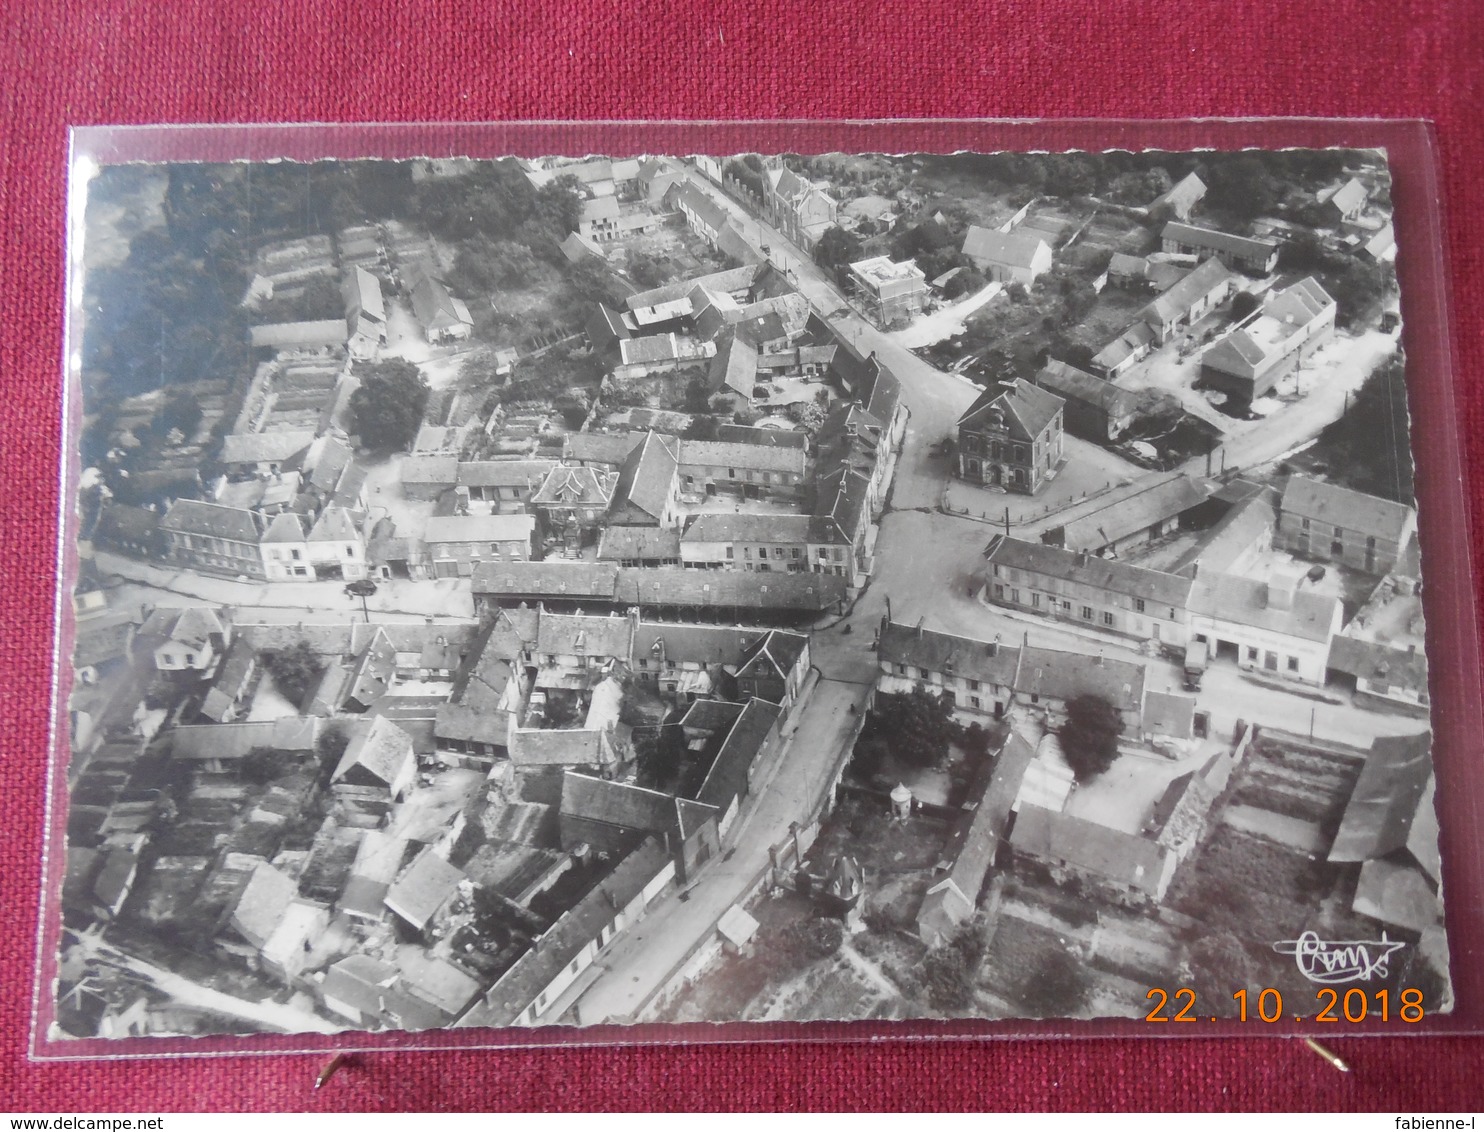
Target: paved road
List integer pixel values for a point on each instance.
(164, 585)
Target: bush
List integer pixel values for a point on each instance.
(295, 670)
(816, 938)
(950, 972)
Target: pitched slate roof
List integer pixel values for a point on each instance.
(1124, 858)
(263, 903)
(192, 516)
(555, 579)
(1158, 500)
(626, 807)
(479, 528)
(1071, 383)
(731, 281)
(363, 291)
(1056, 675)
(1013, 249)
(378, 860)
(579, 634)
(502, 473)
(435, 470)
(988, 661)
(265, 447)
(575, 486)
(625, 544)
(719, 589)
(727, 778)
(734, 367)
(1348, 197)
(1387, 802)
(1135, 338)
(231, 681)
(577, 928)
(1176, 302)
(694, 644)
(380, 747)
(569, 747)
(648, 475)
(334, 525)
(752, 457)
(1193, 236)
(692, 200)
(1343, 507)
(729, 526)
(600, 447)
(1182, 196)
(425, 886)
(749, 434)
(1385, 664)
(1032, 407)
(1102, 573)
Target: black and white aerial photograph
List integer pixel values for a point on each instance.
(756, 588)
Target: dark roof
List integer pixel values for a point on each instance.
(1102, 573)
(749, 434)
(1071, 383)
(231, 680)
(734, 280)
(734, 367)
(692, 199)
(729, 526)
(380, 747)
(502, 473)
(727, 778)
(647, 475)
(546, 579)
(575, 486)
(1190, 235)
(1032, 407)
(1055, 675)
(1387, 800)
(628, 808)
(974, 842)
(1343, 507)
(779, 650)
(623, 544)
(579, 634)
(1386, 664)
(988, 661)
(534, 971)
(718, 589)
(265, 447)
(119, 523)
(600, 447)
(1124, 858)
(1158, 500)
(191, 516)
(695, 644)
(754, 457)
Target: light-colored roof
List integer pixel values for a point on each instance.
(727, 526)
(578, 634)
(1175, 303)
(1013, 249)
(1071, 383)
(622, 544)
(988, 661)
(334, 525)
(430, 470)
(424, 887)
(1245, 601)
(575, 486)
(298, 335)
(1056, 675)
(502, 473)
(379, 747)
(1388, 801)
(1182, 196)
(479, 528)
(1349, 197)
(265, 447)
(263, 903)
(752, 457)
(1131, 341)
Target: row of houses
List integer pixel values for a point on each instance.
(1276, 623)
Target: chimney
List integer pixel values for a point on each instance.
(1280, 592)
(1081, 558)
(1195, 568)
(994, 646)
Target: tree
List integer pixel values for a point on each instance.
(836, 248)
(816, 938)
(1243, 304)
(387, 408)
(295, 671)
(1242, 186)
(1057, 986)
(559, 205)
(702, 427)
(180, 412)
(1089, 737)
(917, 727)
(950, 972)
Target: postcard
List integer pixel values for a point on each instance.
(752, 588)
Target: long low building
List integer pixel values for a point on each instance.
(735, 594)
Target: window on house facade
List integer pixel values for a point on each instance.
(1035, 600)
(1087, 613)
(975, 701)
(350, 552)
(973, 685)
(1293, 664)
(731, 552)
(1305, 523)
(924, 673)
(1015, 596)
(1107, 617)
(1138, 605)
(901, 670)
(1252, 654)
(999, 591)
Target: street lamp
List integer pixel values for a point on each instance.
(362, 588)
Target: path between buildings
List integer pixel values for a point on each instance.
(643, 961)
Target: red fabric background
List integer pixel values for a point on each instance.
(137, 61)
